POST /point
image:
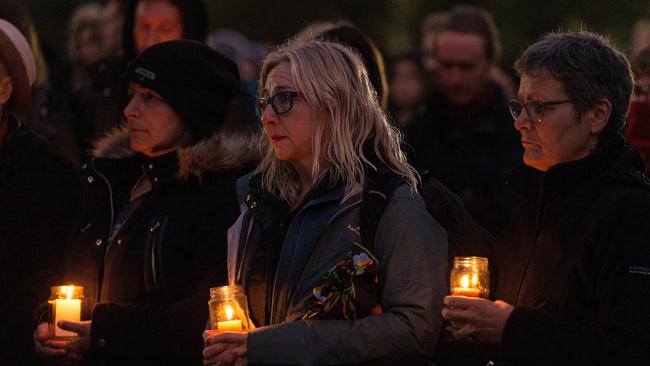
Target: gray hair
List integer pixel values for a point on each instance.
(589, 68)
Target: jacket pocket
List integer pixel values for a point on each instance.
(153, 253)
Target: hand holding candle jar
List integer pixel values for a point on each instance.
(65, 304)
(228, 309)
(470, 277)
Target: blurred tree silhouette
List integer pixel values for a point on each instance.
(393, 24)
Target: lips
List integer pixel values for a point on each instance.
(525, 143)
(276, 138)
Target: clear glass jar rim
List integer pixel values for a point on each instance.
(226, 292)
(56, 292)
(471, 259)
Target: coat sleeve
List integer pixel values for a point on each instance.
(619, 261)
(171, 329)
(412, 252)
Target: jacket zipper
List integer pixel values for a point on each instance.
(335, 216)
(154, 271)
(110, 190)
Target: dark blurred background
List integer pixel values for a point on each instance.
(393, 24)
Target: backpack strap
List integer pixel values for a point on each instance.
(378, 190)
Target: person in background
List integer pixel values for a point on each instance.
(246, 54)
(97, 107)
(113, 26)
(640, 37)
(47, 116)
(638, 120)
(574, 261)
(303, 239)
(462, 136)
(351, 36)
(159, 195)
(406, 83)
(39, 194)
(431, 25)
(85, 41)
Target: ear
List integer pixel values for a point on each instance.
(600, 114)
(6, 89)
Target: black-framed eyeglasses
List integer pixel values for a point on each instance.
(534, 108)
(281, 102)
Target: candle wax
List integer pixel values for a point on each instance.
(66, 309)
(230, 326)
(463, 291)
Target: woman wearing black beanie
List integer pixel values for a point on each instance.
(159, 198)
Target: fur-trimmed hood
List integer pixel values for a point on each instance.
(227, 149)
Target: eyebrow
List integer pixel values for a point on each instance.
(276, 89)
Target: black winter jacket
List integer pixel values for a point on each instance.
(148, 286)
(575, 261)
(39, 193)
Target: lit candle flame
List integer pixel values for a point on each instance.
(464, 282)
(229, 312)
(67, 291)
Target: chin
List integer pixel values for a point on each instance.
(137, 147)
(536, 164)
(282, 155)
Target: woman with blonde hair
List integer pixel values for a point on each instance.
(317, 291)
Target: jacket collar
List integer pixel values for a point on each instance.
(614, 161)
(225, 150)
(160, 168)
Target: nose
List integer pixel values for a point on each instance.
(454, 76)
(131, 109)
(269, 116)
(523, 121)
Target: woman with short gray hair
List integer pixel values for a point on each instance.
(574, 261)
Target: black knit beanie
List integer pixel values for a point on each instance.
(196, 81)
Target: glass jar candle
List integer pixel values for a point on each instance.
(229, 309)
(470, 277)
(65, 303)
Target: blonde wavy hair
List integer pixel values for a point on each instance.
(335, 84)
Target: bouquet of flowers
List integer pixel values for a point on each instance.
(350, 290)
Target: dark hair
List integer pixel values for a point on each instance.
(349, 35)
(471, 19)
(589, 68)
(195, 23)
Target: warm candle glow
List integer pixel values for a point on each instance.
(228, 309)
(66, 308)
(464, 282)
(465, 289)
(68, 291)
(470, 277)
(230, 325)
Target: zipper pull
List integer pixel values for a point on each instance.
(155, 226)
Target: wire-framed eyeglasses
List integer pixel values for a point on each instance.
(534, 108)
